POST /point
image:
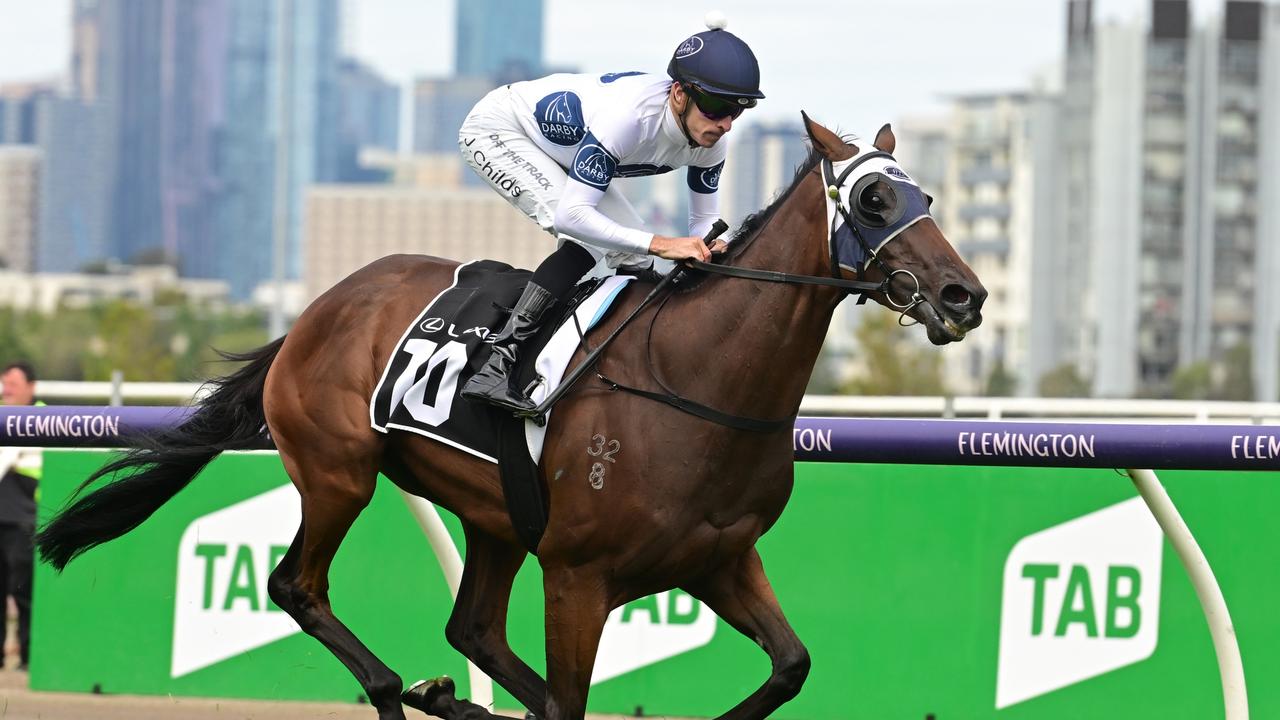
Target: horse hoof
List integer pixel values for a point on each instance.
(426, 695)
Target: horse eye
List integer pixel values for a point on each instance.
(875, 198)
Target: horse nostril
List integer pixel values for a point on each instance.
(957, 296)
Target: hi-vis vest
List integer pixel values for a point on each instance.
(30, 460)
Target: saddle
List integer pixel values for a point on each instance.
(447, 343)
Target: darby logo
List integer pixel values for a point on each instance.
(560, 118)
(222, 608)
(1080, 599)
(691, 46)
(650, 630)
(594, 166)
(711, 177)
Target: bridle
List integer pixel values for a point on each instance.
(834, 175)
(838, 209)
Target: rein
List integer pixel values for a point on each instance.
(739, 422)
(774, 276)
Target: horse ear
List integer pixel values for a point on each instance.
(827, 142)
(885, 141)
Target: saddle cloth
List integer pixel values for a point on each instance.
(448, 343)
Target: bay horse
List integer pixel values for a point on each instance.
(685, 499)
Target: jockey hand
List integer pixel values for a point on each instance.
(681, 248)
(718, 247)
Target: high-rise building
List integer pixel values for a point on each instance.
(439, 107)
(19, 205)
(307, 120)
(146, 77)
(368, 117)
(1137, 143)
(191, 102)
(1231, 289)
(129, 76)
(499, 40)
(1068, 338)
(986, 209)
(924, 150)
(18, 112)
(427, 211)
(1162, 150)
(245, 145)
(1267, 352)
(1164, 233)
(75, 182)
(192, 105)
(762, 161)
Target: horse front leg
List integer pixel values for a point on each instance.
(740, 593)
(478, 629)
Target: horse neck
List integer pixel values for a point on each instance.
(756, 342)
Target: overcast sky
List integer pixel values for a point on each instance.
(855, 64)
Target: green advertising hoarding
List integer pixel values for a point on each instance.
(957, 592)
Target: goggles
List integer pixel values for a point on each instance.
(716, 107)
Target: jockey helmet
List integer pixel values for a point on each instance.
(718, 63)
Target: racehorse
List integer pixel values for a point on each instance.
(686, 496)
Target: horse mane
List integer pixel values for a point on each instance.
(757, 220)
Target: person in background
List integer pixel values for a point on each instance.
(19, 476)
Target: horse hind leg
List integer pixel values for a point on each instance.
(299, 585)
(477, 628)
(740, 593)
(577, 605)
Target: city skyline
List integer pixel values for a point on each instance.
(1107, 164)
(911, 56)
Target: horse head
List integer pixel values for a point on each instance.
(880, 230)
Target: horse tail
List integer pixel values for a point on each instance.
(163, 462)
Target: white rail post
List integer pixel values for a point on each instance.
(1234, 696)
(451, 565)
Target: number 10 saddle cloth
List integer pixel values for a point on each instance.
(448, 343)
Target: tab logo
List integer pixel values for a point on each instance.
(1080, 599)
(222, 608)
(650, 630)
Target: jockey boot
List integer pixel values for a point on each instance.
(492, 384)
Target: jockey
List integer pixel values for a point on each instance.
(552, 146)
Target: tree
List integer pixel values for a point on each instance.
(1001, 382)
(1237, 379)
(12, 346)
(151, 256)
(97, 267)
(129, 339)
(1064, 381)
(1193, 382)
(892, 361)
(824, 380)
